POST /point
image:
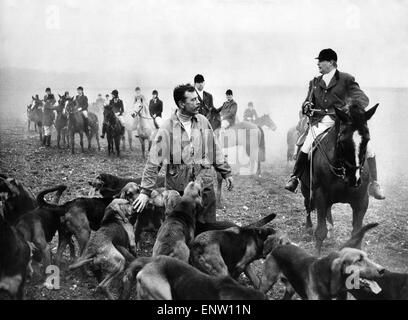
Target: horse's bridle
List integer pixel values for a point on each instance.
(139, 114)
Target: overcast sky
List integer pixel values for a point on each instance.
(243, 42)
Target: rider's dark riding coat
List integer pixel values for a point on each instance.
(117, 106)
(156, 107)
(82, 102)
(342, 90)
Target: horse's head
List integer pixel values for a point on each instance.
(352, 140)
(108, 114)
(69, 106)
(266, 120)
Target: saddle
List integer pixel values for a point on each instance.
(301, 140)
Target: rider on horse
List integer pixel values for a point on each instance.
(116, 105)
(333, 89)
(48, 116)
(228, 111)
(156, 108)
(206, 104)
(250, 114)
(82, 103)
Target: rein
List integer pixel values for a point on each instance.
(139, 114)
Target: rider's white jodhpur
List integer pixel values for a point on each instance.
(319, 128)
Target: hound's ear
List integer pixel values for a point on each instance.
(157, 199)
(59, 96)
(344, 117)
(370, 113)
(12, 185)
(33, 97)
(336, 276)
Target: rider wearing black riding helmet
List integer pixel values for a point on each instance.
(116, 105)
(333, 89)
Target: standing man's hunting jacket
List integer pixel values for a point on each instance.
(228, 111)
(342, 91)
(185, 158)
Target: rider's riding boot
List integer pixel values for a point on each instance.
(374, 188)
(48, 141)
(44, 140)
(300, 165)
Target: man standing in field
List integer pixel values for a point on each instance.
(187, 147)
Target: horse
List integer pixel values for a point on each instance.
(35, 114)
(265, 120)
(61, 122)
(76, 125)
(142, 122)
(339, 171)
(113, 130)
(245, 133)
(291, 139)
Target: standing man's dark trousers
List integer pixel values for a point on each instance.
(208, 212)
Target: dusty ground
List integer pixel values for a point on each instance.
(38, 168)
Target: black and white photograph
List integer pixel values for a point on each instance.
(203, 150)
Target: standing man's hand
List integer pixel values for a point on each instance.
(140, 203)
(230, 184)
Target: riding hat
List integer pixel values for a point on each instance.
(327, 55)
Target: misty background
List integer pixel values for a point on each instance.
(261, 49)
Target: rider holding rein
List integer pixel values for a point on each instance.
(81, 101)
(116, 105)
(333, 89)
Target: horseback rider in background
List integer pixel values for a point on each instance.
(206, 103)
(81, 101)
(116, 105)
(48, 116)
(228, 111)
(156, 108)
(333, 89)
(250, 114)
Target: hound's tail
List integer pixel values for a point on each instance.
(355, 240)
(262, 222)
(40, 198)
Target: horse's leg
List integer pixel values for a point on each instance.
(150, 145)
(72, 139)
(89, 138)
(97, 140)
(58, 138)
(123, 142)
(359, 210)
(219, 190)
(321, 228)
(142, 142)
(329, 219)
(117, 144)
(81, 141)
(41, 133)
(129, 133)
(309, 223)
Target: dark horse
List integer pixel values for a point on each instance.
(76, 125)
(339, 172)
(61, 122)
(114, 130)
